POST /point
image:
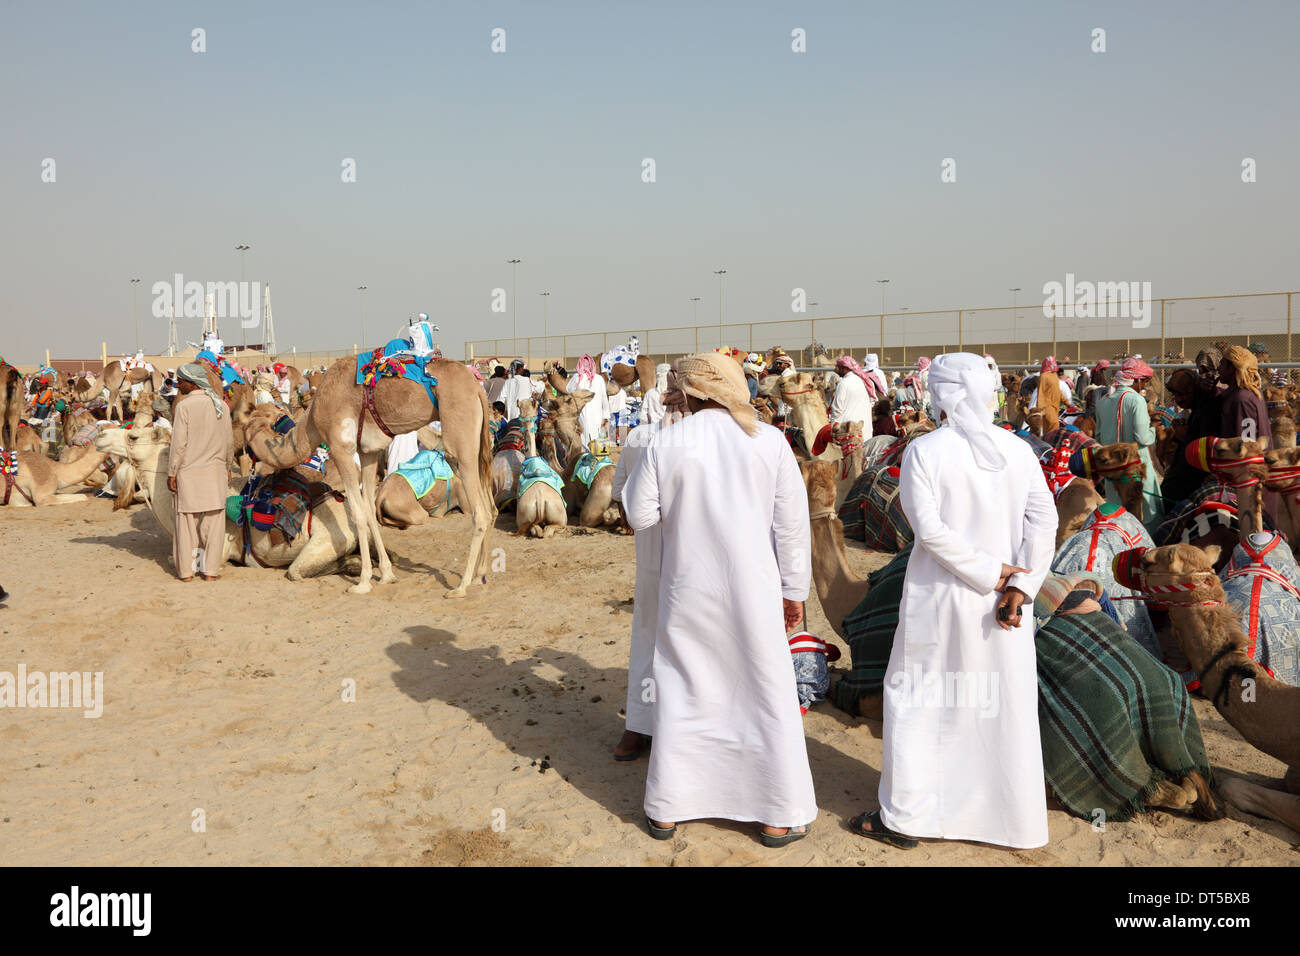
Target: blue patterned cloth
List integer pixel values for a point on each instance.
(1093, 548)
(1268, 610)
(537, 469)
(424, 470)
(589, 466)
(414, 371)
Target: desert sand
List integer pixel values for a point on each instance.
(480, 732)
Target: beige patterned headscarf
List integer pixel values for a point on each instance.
(713, 377)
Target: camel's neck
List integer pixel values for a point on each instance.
(75, 472)
(1263, 712)
(838, 588)
(151, 474)
(290, 449)
(530, 442)
(1130, 496)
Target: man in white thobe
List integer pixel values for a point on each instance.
(852, 403)
(594, 416)
(962, 753)
(728, 736)
(652, 408)
(516, 388)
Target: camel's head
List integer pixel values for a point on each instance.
(527, 408)
(137, 445)
(1228, 450)
(1036, 421)
(819, 479)
(1280, 458)
(798, 388)
(841, 431)
(1086, 424)
(1111, 458)
(564, 409)
(1174, 564)
(764, 409)
(1011, 382)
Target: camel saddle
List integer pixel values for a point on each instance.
(281, 503)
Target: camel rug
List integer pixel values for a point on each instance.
(1114, 721)
(424, 470)
(1260, 582)
(537, 469)
(1108, 531)
(872, 512)
(869, 632)
(589, 465)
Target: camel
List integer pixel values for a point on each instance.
(338, 417)
(1074, 504)
(39, 479)
(329, 541)
(541, 510)
(1119, 463)
(85, 387)
(807, 413)
(594, 506)
(1283, 477)
(12, 404)
(29, 439)
(1015, 410)
(847, 436)
(397, 506)
(118, 381)
(1263, 710)
(839, 590)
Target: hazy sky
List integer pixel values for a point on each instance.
(818, 170)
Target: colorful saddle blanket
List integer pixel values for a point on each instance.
(9, 462)
(390, 362)
(427, 468)
(537, 469)
(279, 501)
(509, 438)
(1260, 583)
(1212, 504)
(1108, 531)
(589, 466)
(872, 512)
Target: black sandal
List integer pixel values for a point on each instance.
(658, 832)
(881, 832)
(775, 840)
(642, 747)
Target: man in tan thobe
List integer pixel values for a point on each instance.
(198, 474)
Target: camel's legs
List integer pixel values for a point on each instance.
(319, 555)
(1263, 801)
(463, 454)
(369, 482)
(357, 507)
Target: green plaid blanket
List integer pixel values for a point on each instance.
(869, 631)
(1114, 720)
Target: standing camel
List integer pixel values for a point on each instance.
(12, 403)
(352, 418)
(118, 381)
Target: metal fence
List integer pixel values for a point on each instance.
(1174, 329)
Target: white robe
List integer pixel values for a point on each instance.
(728, 736)
(595, 411)
(652, 408)
(516, 388)
(961, 769)
(645, 600)
(852, 403)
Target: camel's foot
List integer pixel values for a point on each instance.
(388, 577)
(361, 587)
(455, 593)
(1172, 796)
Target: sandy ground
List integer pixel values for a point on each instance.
(227, 697)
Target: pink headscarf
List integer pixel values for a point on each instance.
(1049, 365)
(850, 364)
(477, 374)
(586, 367)
(1131, 371)
(923, 363)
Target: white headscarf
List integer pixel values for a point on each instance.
(871, 365)
(960, 387)
(661, 376)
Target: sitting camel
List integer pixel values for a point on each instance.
(1283, 477)
(593, 503)
(39, 479)
(1263, 710)
(397, 506)
(327, 537)
(541, 510)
